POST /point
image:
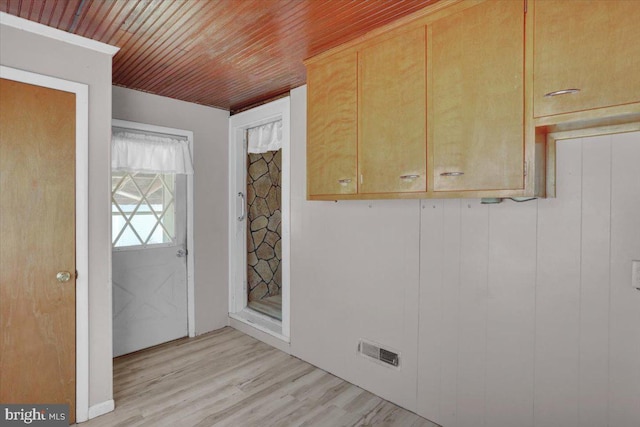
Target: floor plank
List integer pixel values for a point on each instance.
(226, 378)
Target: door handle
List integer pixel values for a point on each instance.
(182, 253)
(63, 276)
(242, 208)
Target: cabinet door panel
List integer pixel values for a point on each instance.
(592, 46)
(392, 105)
(477, 100)
(332, 126)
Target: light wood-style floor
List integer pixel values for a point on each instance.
(226, 378)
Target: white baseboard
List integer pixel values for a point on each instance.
(101, 408)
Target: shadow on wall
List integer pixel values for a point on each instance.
(264, 246)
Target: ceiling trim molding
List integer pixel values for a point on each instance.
(54, 33)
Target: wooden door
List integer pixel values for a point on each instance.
(476, 98)
(593, 47)
(332, 162)
(392, 146)
(37, 224)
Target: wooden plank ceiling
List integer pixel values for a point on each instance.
(230, 54)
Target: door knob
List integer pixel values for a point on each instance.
(63, 276)
(181, 253)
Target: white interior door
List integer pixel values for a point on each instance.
(149, 260)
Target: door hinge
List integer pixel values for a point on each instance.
(76, 274)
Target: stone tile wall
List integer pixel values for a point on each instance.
(264, 275)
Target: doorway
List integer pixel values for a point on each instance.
(264, 232)
(259, 218)
(151, 236)
(44, 224)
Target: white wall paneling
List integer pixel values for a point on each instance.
(510, 315)
(473, 288)
(527, 316)
(558, 294)
(624, 309)
(450, 315)
(594, 290)
(431, 310)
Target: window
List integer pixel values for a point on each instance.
(142, 208)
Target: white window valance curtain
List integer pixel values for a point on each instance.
(266, 137)
(149, 153)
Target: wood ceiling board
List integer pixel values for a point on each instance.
(229, 54)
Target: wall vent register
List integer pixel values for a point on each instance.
(375, 352)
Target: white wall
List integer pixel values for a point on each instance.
(516, 314)
(42, 55)
(528, 316)
(210, 132)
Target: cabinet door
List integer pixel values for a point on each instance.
(392, 106)
(591, 46)
(332, 126)
(476, 98)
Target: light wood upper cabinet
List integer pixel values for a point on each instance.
(591, 46)
(332, 126)
(476, 98)
(392, 112)
(439, 105)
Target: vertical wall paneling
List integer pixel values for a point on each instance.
(527, 316)
(558, 295)
(361, 282)
(510, 314)
(594, 288)
(450, 326)
(431, 311)
(624, 326)
(472, 313)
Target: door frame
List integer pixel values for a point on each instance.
(238, 125)
(191, 304)
(81, 92)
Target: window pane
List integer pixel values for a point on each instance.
(144, 203)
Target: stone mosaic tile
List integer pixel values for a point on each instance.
(264, 244)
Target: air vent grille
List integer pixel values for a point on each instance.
(376, 352)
